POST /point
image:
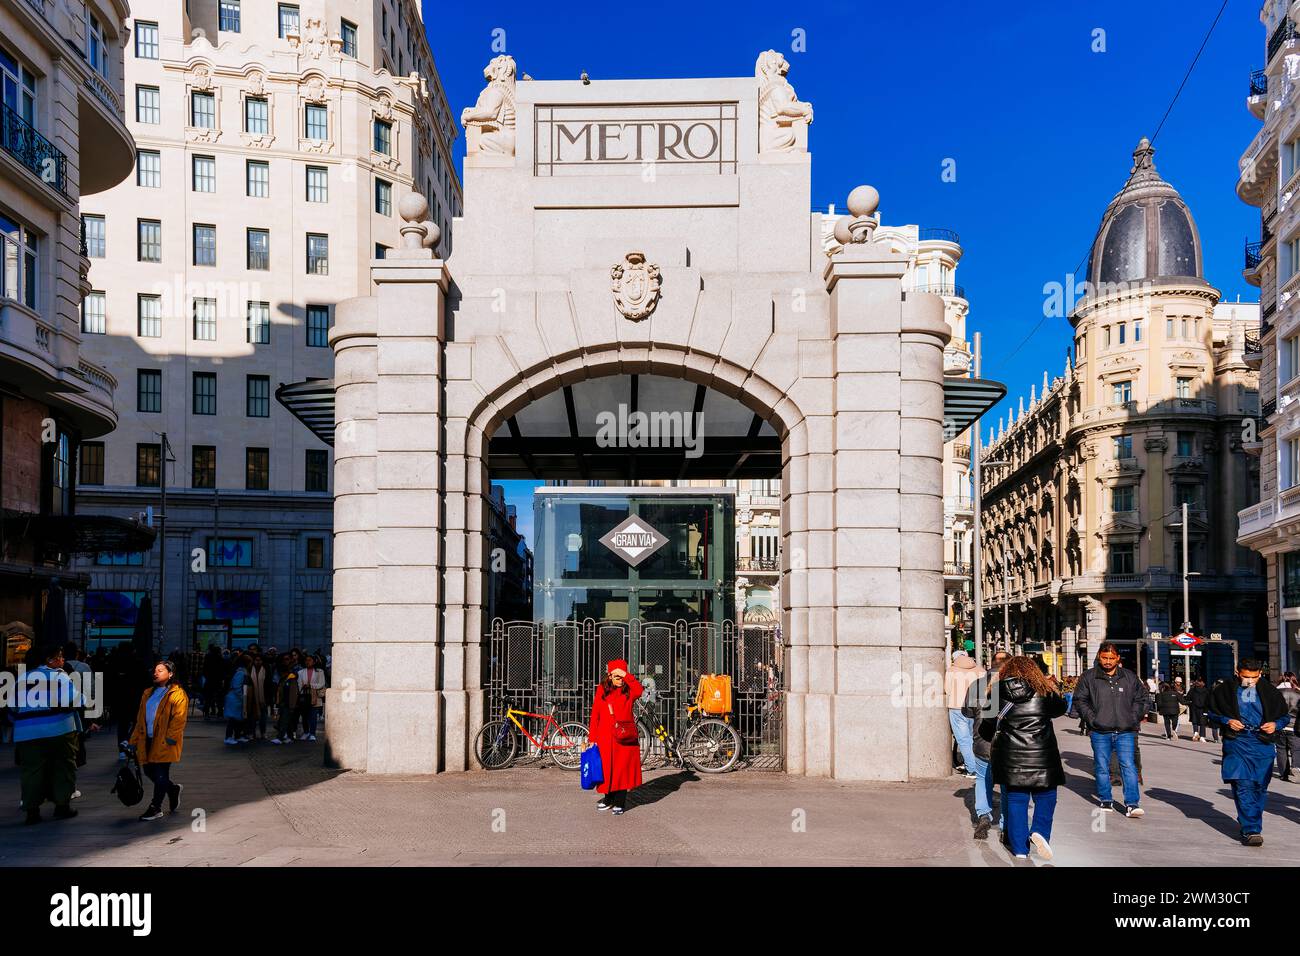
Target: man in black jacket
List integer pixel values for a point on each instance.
(1113, 702)
(1198, 702)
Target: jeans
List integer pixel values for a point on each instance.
(160, 774)
(1123, 744)
(310, 717)
(961, 730)
(1015, 814)
(1250, 796)
(1171, 725)
(1287, 746)
(983, 789)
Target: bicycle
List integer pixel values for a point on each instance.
(497, 743)
(707, 745)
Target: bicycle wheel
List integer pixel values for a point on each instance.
(712, 746)
(494, 748)
(572, 738)
(653, 754)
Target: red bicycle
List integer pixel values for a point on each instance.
(497, 743)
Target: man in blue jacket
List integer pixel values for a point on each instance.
(1112, 701)
(46, 727)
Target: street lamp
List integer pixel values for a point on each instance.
(1187, 611)
(977, 508)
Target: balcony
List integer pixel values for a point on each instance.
(949, 290)
(1124, 411)
(21, 141)
(1267, 409)
(772, 565)
(958, 504)
(1284, 34)
(1258, 83)
(106, 145)
(956, 569)
(1256, 518)
(1252, 255)
(1252, 353)
(938, 235)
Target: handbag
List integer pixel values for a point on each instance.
(625, 731)
(592, 770)
(128, 786)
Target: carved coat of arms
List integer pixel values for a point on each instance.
(635, 285)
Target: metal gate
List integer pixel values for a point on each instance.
(535, 664)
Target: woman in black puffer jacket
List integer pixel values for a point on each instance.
(1025, 760)
(1167, 706)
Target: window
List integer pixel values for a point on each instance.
(96, 48)
(258, 178)
(146, 105)
(259, 323)
(148, 465)
(316, 122)
(205, 244)
(318, 184)
(1137, 330)
(318, 325)
(257, 470)
(148, 390)
(229, 20)
(1290, 153)
(1290, 261)
(1185, 444)
(1105, 337)
(95, 236)
(205, 174)
(1122, 328)
(383, 137)
(315, 552)
(288, 19)
(381, 251)
(1121, 393)
(92, 313)
(1291, 462)
(318, 254)
(148, 316)
(1121, 498)
(348, 31)
(148, 169)
(18, 249)
(317, 478)
(1169, 328)
(203, 466)
(146, 40)
(1290, 358)
(205, 320)
(203, 110)
(259, 249)
(1183, 387)
(230, 552)
(258, 389)
(1187, 494)
(149, 240)
(1122, 559)
(205, 393)
(256, 115)
(1123, 445)
(91, 454)
(19, 87)
(383, 197)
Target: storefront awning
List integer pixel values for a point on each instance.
(312, 403)
(80, 534)
(965, 400)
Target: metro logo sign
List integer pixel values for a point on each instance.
(634, 540)
(1186, 640)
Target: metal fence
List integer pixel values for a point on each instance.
(535, 664)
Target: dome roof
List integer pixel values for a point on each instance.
(1147, 232)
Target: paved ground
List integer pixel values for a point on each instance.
(261, 805)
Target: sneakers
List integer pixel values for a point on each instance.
(75, 794)
(152, 813)
(1134, 811)
(174, 796)
(1196, 737)
(276, 740)
(602, 805)
(1041, 846)
(982, 827)
(64, 813)
(619, 811)
(1252, 839)
(231, 741)
(1107, 806)
(1022, 856)
(969, 774)
(310, 737)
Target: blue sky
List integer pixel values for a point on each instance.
(1040, 126)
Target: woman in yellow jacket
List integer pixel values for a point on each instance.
(158, 736)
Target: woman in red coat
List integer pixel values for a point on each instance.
(620, 761)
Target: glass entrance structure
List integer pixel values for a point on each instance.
(686, 573)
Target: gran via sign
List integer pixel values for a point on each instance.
(697, 137)
(633, 540)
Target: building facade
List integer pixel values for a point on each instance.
(1082, 506)
(1269, 173)
(64, 139)
(275, 143)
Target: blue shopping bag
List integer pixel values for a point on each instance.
(592, 771)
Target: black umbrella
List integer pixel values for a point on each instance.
(142, 636)
(54, 625)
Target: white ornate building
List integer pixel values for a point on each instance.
(275, 144)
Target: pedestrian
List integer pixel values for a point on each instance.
(1168, 705)
(258, 701)
(1198, 703)
(978, 706)
(1287, 741)
(286, 701)
(236, 706)
(214, 682)
(1025, 761)
(46, 734)
(159, 736)
(1112, 701)
(612, 728)
(311, 692)
(962, 673)
(1251, 712)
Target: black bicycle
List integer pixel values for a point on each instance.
(706, 744)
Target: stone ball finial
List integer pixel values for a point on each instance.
(413, 207)
(432, 234)
(864, 201)
(842, 234)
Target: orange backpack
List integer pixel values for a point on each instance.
(714, 694)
